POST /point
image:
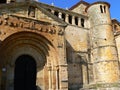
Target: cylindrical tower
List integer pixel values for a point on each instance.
(103, 48)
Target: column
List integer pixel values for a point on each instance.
(52, 11)
(57, 77)
(73, 20)
(79, 21)
(60, 15)
(50, 77)
(85, 76)
(63, 72)
(66, 18)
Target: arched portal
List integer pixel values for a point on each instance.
(25, 73)
(3, 1)
(16, 49)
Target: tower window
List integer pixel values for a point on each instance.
(3, 1)
(76, 20)
(105, 9)
(82, 22)
(101, 8)
(56, 13)
(63, 16)
(70, 19)
(49, 10)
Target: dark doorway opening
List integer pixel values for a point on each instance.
(3, 1)
(25, 73)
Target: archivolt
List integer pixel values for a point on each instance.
(19, 42)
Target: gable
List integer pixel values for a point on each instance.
(80, 7)
(30, 10)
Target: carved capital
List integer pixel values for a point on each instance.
(49, 68)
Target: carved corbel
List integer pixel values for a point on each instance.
(60, 32)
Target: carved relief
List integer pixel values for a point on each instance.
(31, 11)
(60, 32)
(26, 23)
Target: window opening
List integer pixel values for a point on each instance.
(101, 9)
(105, 9)
(82, 22)
(70, 19)
(56, 13)
(76, 20)
(63, 16)
(49, 10)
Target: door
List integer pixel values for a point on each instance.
(25, 73)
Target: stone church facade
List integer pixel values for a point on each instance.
(43, 47)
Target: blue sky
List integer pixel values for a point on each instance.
(115, 5)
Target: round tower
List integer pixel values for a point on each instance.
(103, 48)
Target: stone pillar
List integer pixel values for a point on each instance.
(85, 76)
(73, 20)
(57, 77)
(50, 78)
(52, 11)
(67, 18)
(63, 73)
(79, 21)
(60, 15)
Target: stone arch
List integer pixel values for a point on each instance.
(36, 43)
(29, 43)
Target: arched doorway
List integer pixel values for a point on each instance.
(3, 1)
(25, 73)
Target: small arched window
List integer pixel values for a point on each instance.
(101, 9)
(56, 13)
(82, 22)
(49, 10)
(105, 9)
(63, 16)
(70, 19)
(76, 20)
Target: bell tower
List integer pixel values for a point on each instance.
(104, 54)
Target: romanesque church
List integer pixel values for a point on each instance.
(44, 47)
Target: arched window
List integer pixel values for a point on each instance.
(63, 16)
(76, 20)
(82, 22)
(70, 19)
(101, 9)
(105, 9)
(56, 13)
